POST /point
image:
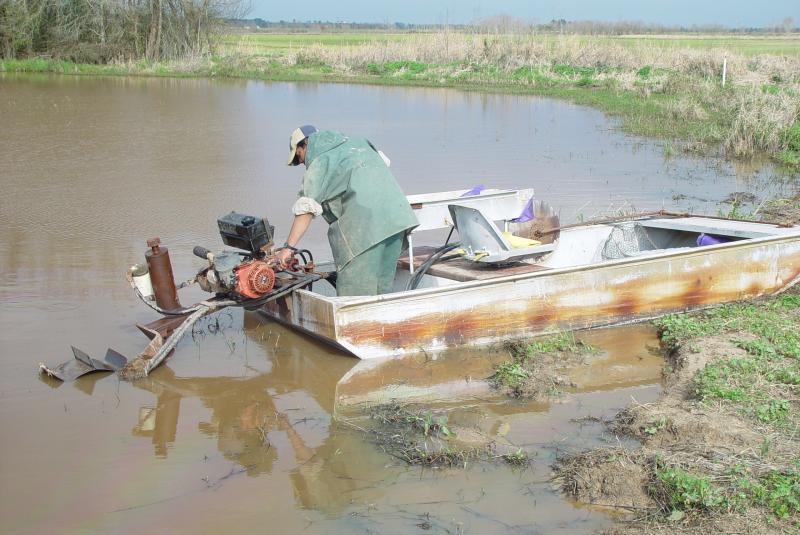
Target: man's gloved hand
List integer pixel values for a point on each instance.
(284, 256)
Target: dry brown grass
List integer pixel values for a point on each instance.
(759, 121)
(511, 52)
(749, 116)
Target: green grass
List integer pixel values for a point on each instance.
(279, 42)
(273, 43)
(761, 319)
(509, 374)
(421, 437)
(791, 156)
(687, 492)
(754, 370)
(527, 355)
(38, 65)
(747, 45)
(564, 341)
(762, 383)
(777, 491)
(517, 458)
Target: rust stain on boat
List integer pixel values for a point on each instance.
(623, 293)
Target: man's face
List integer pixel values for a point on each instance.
(301, 155)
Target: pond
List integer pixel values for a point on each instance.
(237, 431)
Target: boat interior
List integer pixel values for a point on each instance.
(493, 240)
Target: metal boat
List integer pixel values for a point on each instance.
(623, 270)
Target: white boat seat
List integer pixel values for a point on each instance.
(484, 242)
(717, 227)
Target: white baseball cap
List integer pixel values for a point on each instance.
(297, 136)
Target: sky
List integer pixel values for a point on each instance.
(732, 13)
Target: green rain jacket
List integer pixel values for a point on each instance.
(360, 199)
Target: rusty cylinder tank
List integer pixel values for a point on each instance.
(161, 275)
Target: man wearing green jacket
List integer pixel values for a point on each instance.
(348, 182)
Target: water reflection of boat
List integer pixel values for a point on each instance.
(626, 357)
(597, 274)
(278, 424)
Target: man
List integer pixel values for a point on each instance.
(348, 182)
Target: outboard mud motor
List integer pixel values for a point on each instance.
(241, 275)
(248, 277)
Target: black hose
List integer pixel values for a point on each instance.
(436, 256)
(303, 253)
(449, 235)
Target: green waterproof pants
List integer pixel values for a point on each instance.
(372, 272)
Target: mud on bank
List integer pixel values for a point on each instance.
(720, 449)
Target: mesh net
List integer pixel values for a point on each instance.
(626, 240)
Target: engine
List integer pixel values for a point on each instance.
(245, 278)
(248, 274)
(231, 272)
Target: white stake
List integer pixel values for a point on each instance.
(724, 70)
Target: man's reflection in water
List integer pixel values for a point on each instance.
(160, 422)
(255, 419)
(242, 414)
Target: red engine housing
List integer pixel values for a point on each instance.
(254, 279)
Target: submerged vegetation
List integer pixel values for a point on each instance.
(656, 87)
(786, 210)
(720, 448)
(418, 436)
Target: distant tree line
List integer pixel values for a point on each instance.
(98, 31)
(320, 26)
(508, 24)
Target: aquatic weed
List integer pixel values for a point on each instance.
(522, 350)
(419, 437)
(517, 458)
(509, 374)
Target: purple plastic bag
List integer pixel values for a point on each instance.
(527, 213)
(474, 191)
(709, 239)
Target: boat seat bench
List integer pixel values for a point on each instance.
(462, 270)
(733, 229)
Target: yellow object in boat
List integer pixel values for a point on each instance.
(518, 242)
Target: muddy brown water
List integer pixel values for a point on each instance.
(91, 167)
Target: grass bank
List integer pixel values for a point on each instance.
(657, 87)
(720, 448)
